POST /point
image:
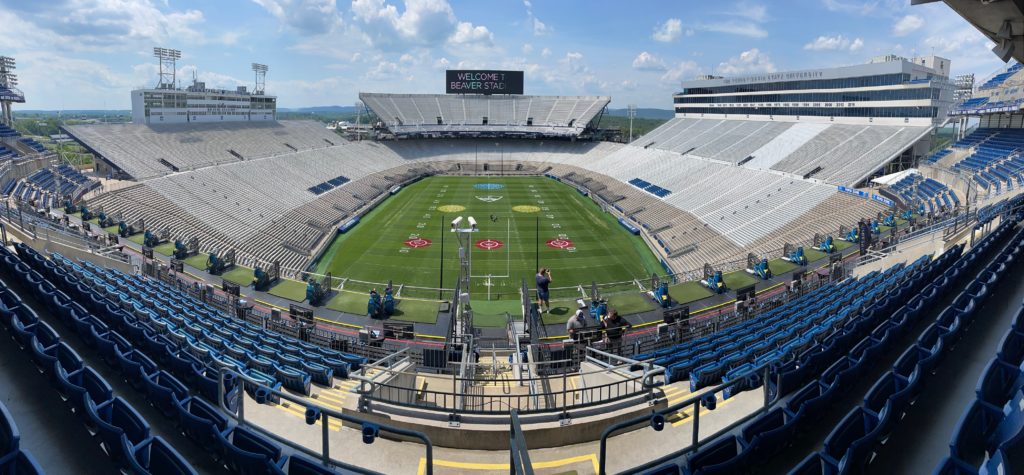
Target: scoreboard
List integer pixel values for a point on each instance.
(483, 82)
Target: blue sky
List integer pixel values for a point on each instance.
(87, 54)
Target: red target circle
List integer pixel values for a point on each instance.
(559, 243)
(417, 242)
(489, 244)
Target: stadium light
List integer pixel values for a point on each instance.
(261, 77)
(167, 58)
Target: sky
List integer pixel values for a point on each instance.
(88, 54)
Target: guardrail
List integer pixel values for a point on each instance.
(241, 383)
(463, 398)
(519, 453)
(658, 418)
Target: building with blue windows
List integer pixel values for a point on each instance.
(888, 90)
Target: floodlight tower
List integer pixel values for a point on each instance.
(168, 62)
(261, 78)
(631, 112)
(464, 231)
(9, 92)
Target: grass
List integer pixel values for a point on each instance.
(737, 280)
(198, 261)
(239, 275)
(289, 289)
(166, 248)
(601, 249)
(111, 229)
(814, 254)
(779, 266)
(687, 292)
(406, 310)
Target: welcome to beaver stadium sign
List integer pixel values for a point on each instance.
(484, 82)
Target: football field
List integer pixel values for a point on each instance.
(522, 221)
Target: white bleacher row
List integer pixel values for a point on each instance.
(470, 109)
(137, 148)
(263, 209)
(845, 153)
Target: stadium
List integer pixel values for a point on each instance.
(793, 274)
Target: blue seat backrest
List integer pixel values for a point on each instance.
(9, 435)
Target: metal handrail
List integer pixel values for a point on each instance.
(519, 453)
(314, 412)
(657, 418)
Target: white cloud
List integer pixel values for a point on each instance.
(539, 27)
(442, 64)
(648, 62)
(752, 11)
(101, 25)
(906, 25)
(546, 52)
(748, 62)
(669, 31)
(833, 43)
(304, 16)
(422, 24)
(853, 6)
(385, 70)
(740, 28)
(683, 70)
(466, 33)
(527, 48)
(574, 62)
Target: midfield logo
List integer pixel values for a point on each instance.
(489, 198)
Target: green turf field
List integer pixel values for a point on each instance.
(391, 242)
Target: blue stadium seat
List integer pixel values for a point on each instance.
(115, 420)
(999, 381)
(164, 392)
(887, 400)
(77, 386)
(977, 423)
(20, 463)
(815, 464)
(319, 373)
(850, 444)
(23, 325)
(247, 452)
(810, 401)
(722, 456)
(301, 465)
(954, 466)
(10, 437)
(156, 457)
(136, 366)
(1011, 348)
(769, 433)
(201, 422)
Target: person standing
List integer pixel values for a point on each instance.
(614, 328)
(543, 282)
(575, 325)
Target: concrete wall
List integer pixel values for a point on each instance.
(44, 245)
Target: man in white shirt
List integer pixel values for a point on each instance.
(577, 322)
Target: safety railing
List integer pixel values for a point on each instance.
(464, 395)
(241, 384)
(519, 453)
(707, 400)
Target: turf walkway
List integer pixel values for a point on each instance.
(406, 310)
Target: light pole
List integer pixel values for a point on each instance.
(631, 112)
(464, 229)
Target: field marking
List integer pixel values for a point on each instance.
(592, 458)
